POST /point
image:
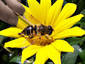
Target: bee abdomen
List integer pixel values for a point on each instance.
(29, 30)
(35, 29)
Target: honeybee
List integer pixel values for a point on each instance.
(37, 29)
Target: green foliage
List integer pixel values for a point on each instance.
(81, 5)
(16, 59)
(1, 39)
(82, 55)
(70, 58)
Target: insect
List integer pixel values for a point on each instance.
(37, 29)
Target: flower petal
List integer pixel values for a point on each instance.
(29, 16)
(35, 9)
(41, 56)
(62, 45)
(29, 51)
(44, 7)
(21, 24)
(72, 32)
(66, 12)
(11, 32)
(54, 55)
(67, 23)
(47, 52)
(17, 43)
(54, 12)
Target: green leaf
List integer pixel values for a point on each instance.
(16, 59)
(82, 25)
(81, 5)
(82, 55)
(75, 40)
(50, 63)
(73, 1)
(83, 12)
(1, 39)
(70, 58)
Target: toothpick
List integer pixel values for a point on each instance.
(24, 19)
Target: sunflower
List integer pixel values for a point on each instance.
(47, 14)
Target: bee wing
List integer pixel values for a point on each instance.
(7, 10)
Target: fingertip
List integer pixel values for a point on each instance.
(15, 6)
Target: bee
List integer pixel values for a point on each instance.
(37, 29)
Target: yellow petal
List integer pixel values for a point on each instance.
(67, 23)
(35, 9)
(11, 32)
(41, 56)
(54, 12)
(17, 43)
(66, 12)
(28, 52)
(29, 16)
(26, 9)
(62, 45)
(47, 52)
(44, 7)
(54, 55)
(21, 24)
(72, 32)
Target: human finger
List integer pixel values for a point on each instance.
(15, 6)
(7, 15)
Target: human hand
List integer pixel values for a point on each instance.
(7, 9)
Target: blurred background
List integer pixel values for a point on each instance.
(78, 57)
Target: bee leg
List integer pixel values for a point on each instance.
(21, 34)
(48, 37)
(40, 37)
(31, 35)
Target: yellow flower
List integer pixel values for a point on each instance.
(46, 14)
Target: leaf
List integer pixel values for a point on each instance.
(82, 25)
(82, 55)
(16, 59)
(73, 1)
(1, 39)
(70, 58)
(81, 5)
(50, 63)
(83, 12)
(76, 40)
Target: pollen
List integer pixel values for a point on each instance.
(41, 40)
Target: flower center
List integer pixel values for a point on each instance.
(41, 40)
